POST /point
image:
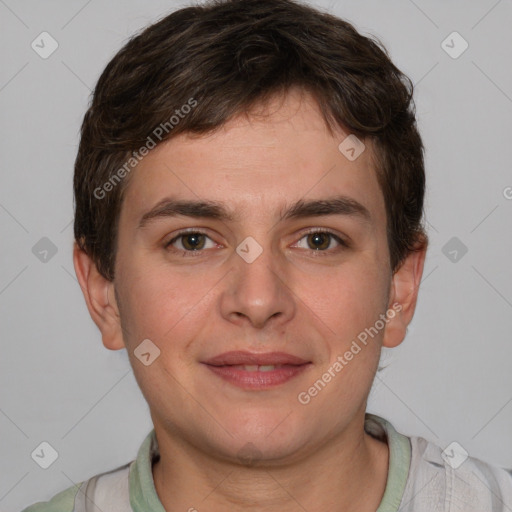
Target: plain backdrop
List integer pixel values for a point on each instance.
(451, 379)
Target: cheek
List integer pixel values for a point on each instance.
(350, 306)
(347, 298)
(161, 304)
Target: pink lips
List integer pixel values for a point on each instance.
(241, 357)
(254, 371)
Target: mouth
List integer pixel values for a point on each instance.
(248, 370)
(256, 368)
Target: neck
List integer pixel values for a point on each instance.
(347, 473)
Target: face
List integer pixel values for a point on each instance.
(261, 268)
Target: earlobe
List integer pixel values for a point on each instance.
(404, 292)
(100, 299)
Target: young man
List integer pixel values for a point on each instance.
(249, 196)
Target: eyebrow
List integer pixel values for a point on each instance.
(338, 205)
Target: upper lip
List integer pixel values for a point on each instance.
(240, 357)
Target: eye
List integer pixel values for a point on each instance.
(190, 241)
(320, 240)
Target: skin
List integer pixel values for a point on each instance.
(291, 298)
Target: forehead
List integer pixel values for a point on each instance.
(280, 153)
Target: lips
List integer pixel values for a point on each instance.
(252, 371)
(243, 358)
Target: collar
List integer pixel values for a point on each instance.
(143, 496)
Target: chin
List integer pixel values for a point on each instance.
(262, 437)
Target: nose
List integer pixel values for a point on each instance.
(257, 292)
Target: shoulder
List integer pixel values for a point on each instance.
(455, 478)
(62, 502)
(108, 491)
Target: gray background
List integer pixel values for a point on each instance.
(449, 381)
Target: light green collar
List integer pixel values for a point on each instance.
(399, 460)
(143, 496)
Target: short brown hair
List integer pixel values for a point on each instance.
(227, 56)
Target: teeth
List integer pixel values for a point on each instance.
(255, 367)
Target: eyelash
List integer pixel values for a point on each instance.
(196, 253)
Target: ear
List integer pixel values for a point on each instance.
(100, 299)
(403, 295)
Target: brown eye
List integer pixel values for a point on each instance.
(319, 241)
(193, 241)
(189, 241)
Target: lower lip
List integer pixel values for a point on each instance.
(258, 380)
